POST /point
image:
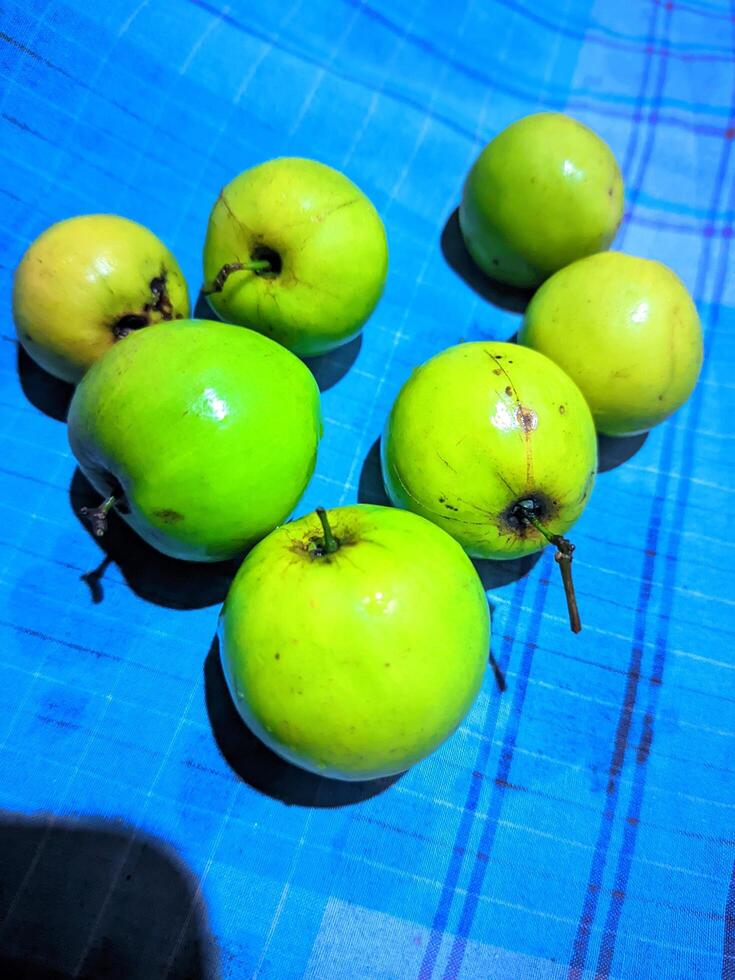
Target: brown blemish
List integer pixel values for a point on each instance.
(277, 656)
(168, 516)
(562, 409)
(160, 304)
(508, 390)
(497, 371)
(526, 418)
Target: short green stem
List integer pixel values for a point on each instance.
(330, 544)
(98, 515)
(254, 265)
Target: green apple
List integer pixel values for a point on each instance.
(295, 250)
(378, 647)
(485, 436)
(202, 435)
(546, 191)
(87, 282)
(626, 330)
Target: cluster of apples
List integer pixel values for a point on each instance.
(203, 434)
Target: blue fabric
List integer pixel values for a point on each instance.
(578, 824)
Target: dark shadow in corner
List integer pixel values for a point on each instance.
(262, 769)
(331, 367)
(613, 451)
(97, 900)
(151, 575)
(49, 394)
(202, 310)
(496, 574)
(327, 368)
(370, 489)
(458, 258)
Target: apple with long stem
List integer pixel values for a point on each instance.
(86, 283)
(545, 191)
(628, 333)
(297, 251)
(201, 435)
(495, 444)
(378, 648)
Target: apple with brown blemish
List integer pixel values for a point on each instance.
(296, 251)
(496, 444)
(86, 283)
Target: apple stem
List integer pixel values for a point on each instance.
(563, 556)
(98, 515)
(331, 544)
(255, 265)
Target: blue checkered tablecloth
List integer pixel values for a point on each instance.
(580, 824)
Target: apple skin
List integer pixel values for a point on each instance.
(209, 430)
(330, 242)
(546, 191)
(79, 278)
(479, 428)
(376, 652)
(626, 330)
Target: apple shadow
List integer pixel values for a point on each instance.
(92, 899)
(613, 451)
(152, 576)
(49, 394)
(328, 369)
(370, 489)
(331, 367)
(261, 768)
(460, 261)
(494, 574)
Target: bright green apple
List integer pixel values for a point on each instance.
(87, 282)
(485, 436)
(202, 435)
(295, 250)
(546, 191)
(377, 648)
(626, 330)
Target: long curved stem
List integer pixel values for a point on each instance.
(255, 265)
(563, 556)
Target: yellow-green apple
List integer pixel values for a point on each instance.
(626, 330)
(545, 191)
(297, 251)
(378, 647)
(87, 282)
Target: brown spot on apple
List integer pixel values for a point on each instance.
(526, 418)
(168, 516)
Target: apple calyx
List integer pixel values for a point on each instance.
(524, 513)
(160, 303)
(98, 515)
(264, 262)
(328, 544)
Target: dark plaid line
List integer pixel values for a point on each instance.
(636, 184)
(524, 95)
(480, 866)
(590, 903)
(701, 129)
(500, 783)
(728, 941)
(552, 27)
(630, 830)
(451, 876)
(622, 871)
